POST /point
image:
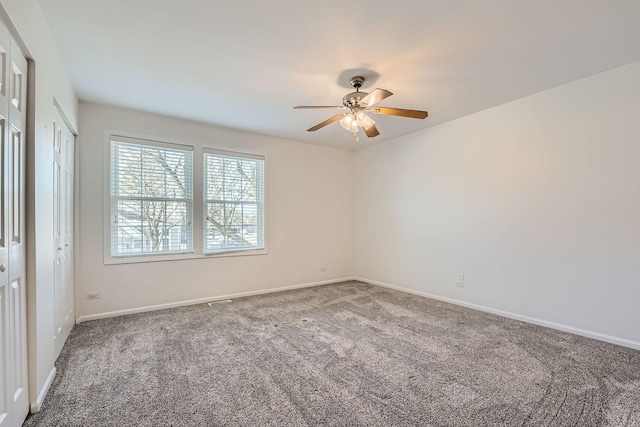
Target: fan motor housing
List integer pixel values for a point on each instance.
(352, 100)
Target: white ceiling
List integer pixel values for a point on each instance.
(245, 64)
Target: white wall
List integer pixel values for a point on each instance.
(27, 19)
(537, 201)
(310, 201)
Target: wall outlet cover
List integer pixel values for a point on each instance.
(92, 295)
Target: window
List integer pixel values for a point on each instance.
(233, 202)
(167, 201)
(151, 198)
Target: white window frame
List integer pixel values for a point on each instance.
(198, 200)
(226, 251)
(113, 214)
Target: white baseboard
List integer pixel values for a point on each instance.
(565, 328)
(107, 314)
(37, 405)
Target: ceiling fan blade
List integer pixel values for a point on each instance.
(326, 122)
(372, 131)
(375, 96)
(300, 107)
(414, 114)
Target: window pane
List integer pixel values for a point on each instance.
(224, 226)
(250, 223)
(127, 173)
(146, 227)
(213, 178)
(232, 179)
(249, 182)
(215, 226)
(129, 236)
(233, 225)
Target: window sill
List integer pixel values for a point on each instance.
(135, 259)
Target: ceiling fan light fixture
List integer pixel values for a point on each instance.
(364, 121)
(349, 122)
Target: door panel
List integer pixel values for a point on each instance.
(5, 358)
(19, 346)
(3, 192)
(17, 185)
(5, 47)
(17, 87)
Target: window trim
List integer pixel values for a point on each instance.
(198, 199)
(115, 139)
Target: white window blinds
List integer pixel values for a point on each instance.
(151, 198)
(233, 201)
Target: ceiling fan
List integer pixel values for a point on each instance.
(358, 104)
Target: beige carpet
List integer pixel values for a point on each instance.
(347, 354)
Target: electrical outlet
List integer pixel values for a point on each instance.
(460, 279)
(92, 295)
(323, 268)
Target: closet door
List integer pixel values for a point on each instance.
(63, 158)
(58, 271)
(68, 143)
(17, 74)
(14, 403)
(5, 347)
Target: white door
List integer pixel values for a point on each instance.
(63, 145)
(5, 346)
(68, 142)
(14, 403)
